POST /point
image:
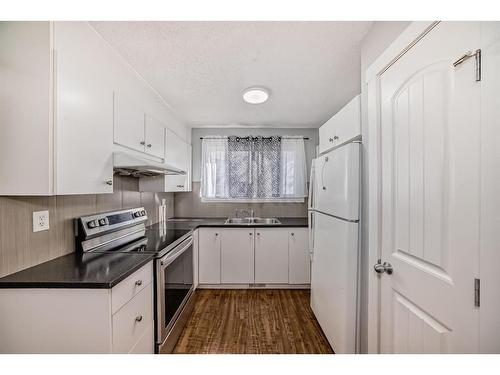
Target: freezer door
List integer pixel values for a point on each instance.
(337, 182)
(334, 280)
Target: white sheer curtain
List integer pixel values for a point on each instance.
(293, 168)
(215, 175)
(214, 168)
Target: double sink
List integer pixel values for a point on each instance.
(252, 221)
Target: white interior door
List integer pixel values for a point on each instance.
(337, 182)
(430, 158)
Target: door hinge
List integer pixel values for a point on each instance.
(467, 56)
(477, 292)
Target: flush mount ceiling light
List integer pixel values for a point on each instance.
(255, 95)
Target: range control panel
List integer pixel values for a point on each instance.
(109, 221)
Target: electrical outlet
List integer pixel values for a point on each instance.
(40, 221)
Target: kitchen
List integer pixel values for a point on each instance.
(178, 187)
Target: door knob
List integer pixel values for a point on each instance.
(380, 267)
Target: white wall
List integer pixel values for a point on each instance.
(380, 36)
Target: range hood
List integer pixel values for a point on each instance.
(130, 165)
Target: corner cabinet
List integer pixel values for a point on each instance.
(262, 257)
(57, 134)
(80, 321)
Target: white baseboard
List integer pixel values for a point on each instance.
(254, 286)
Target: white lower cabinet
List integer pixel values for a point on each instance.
(271, 255)
(209, 255)
(79, 321)
(299, 264)
(237, 256)
(242, 256)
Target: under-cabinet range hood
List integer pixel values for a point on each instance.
(135, 166)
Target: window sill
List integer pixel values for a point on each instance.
(236, 200)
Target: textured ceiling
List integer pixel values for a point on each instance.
(201, 68)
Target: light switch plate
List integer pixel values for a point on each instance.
(40, 221)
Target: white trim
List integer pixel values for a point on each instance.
(408, 38)
(254, 286)
(245, 200)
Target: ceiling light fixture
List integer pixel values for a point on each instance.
(255, 95)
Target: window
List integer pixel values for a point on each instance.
(253, 169)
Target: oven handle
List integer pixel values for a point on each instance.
(170, 257)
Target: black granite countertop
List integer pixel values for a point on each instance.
(197, 222)
(88, 271)
(105, 270)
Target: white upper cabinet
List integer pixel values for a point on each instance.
(154, 137)
(67, 102)
(84, 111)
(177, 151)
(128, 123)
(25, 108)
(57, 112)
(343, 127)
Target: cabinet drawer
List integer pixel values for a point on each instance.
(146, 344)
(132, 321)
(128, 288)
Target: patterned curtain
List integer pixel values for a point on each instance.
(254, 167)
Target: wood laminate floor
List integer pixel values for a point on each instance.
(252, 322)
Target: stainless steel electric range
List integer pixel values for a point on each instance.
(125, 232)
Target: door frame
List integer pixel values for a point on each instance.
(407, 39)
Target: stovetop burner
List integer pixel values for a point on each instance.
(124, 232)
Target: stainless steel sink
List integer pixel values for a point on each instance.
(239, 221)
(252, 220)
(266, 221)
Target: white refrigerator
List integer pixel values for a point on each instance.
(333, 236)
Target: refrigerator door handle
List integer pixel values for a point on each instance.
(310, 224)
(310, 204)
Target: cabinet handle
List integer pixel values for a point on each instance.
(293, 234)
(249, 234)
(138, 318)
(148, 145)
(109, 182)
(142, 143)
(138, 282)
(216, 234)
(258, 234)
(330, 140)
(336, 137)
(180, 186)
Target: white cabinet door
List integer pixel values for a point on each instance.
(25, 126)
(271, 255)
(176, 150)
(299, 268)
(155, 137)
(344, 126)
(237, 256)
(128, 123)
(84, 111)
(209, 256)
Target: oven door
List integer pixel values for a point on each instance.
(174, 286)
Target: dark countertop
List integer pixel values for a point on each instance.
(89, 271)
(105, 270)
(196, 222)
